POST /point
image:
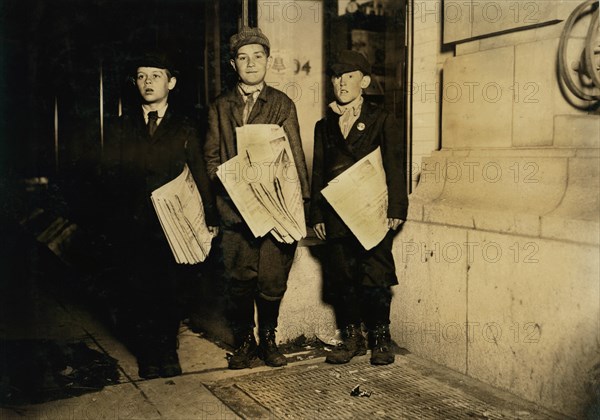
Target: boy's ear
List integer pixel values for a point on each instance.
(172, 82)
(269, 61)
(365, 82)
(232, 62)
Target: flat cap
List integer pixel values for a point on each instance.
(348, 61)
(247, 36)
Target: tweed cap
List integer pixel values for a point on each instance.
(348, 61)
(247, 36)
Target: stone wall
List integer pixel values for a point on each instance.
(499, 260)
(428, 59)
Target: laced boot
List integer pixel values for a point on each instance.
(268, 351)
(353, 345)
(245, 353)
(382, 352)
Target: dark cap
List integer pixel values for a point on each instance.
(247, 36)
(348, 61)
(160, 60)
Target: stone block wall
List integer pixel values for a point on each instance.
(499, 260)
(428, 59)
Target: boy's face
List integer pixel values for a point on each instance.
(251, 63)
(348, 86)
(154, 84)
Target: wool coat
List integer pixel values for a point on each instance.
(333, 154)
(225, 114)
(135, 164)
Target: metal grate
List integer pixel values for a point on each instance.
(398, 391)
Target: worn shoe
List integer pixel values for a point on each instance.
(268, 350)
(353, 345)
(382, 352)
(244, 354)
(169, 365)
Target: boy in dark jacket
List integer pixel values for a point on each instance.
(256, 268)
(359, 281)
(145, 149)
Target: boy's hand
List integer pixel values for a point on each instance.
(319, 229)
(394, 224)
(214, 230)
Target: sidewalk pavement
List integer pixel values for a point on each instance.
(306, 388)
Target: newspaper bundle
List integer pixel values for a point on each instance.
(263, 183)
(179, 208)
(359, 196)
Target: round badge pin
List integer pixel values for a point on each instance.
(360, 126)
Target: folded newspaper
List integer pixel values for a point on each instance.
(263, 183)
(359, 196)
(178, 205)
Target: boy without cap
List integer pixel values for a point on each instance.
(256, 269)
(357, 281)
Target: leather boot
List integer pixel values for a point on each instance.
(267, 349)
(353, 345)
(245, 352)
(382, 352)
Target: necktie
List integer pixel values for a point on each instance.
(250, 99)
(152, 119)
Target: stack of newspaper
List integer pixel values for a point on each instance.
(263, 183)
(179, 208)
(359, 196)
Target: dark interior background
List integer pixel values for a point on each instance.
(53, 53)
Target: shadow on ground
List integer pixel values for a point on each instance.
(36, 371)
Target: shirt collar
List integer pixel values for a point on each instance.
(355, 106)
(161, 111)
(246, 90)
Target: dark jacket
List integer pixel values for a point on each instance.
(135, 164)
(333, 155)
(225, 114)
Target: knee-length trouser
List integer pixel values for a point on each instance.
(255, 268)
(358, 282)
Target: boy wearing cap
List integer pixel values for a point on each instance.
(145, 149)
(357, 281)
(256, 268)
